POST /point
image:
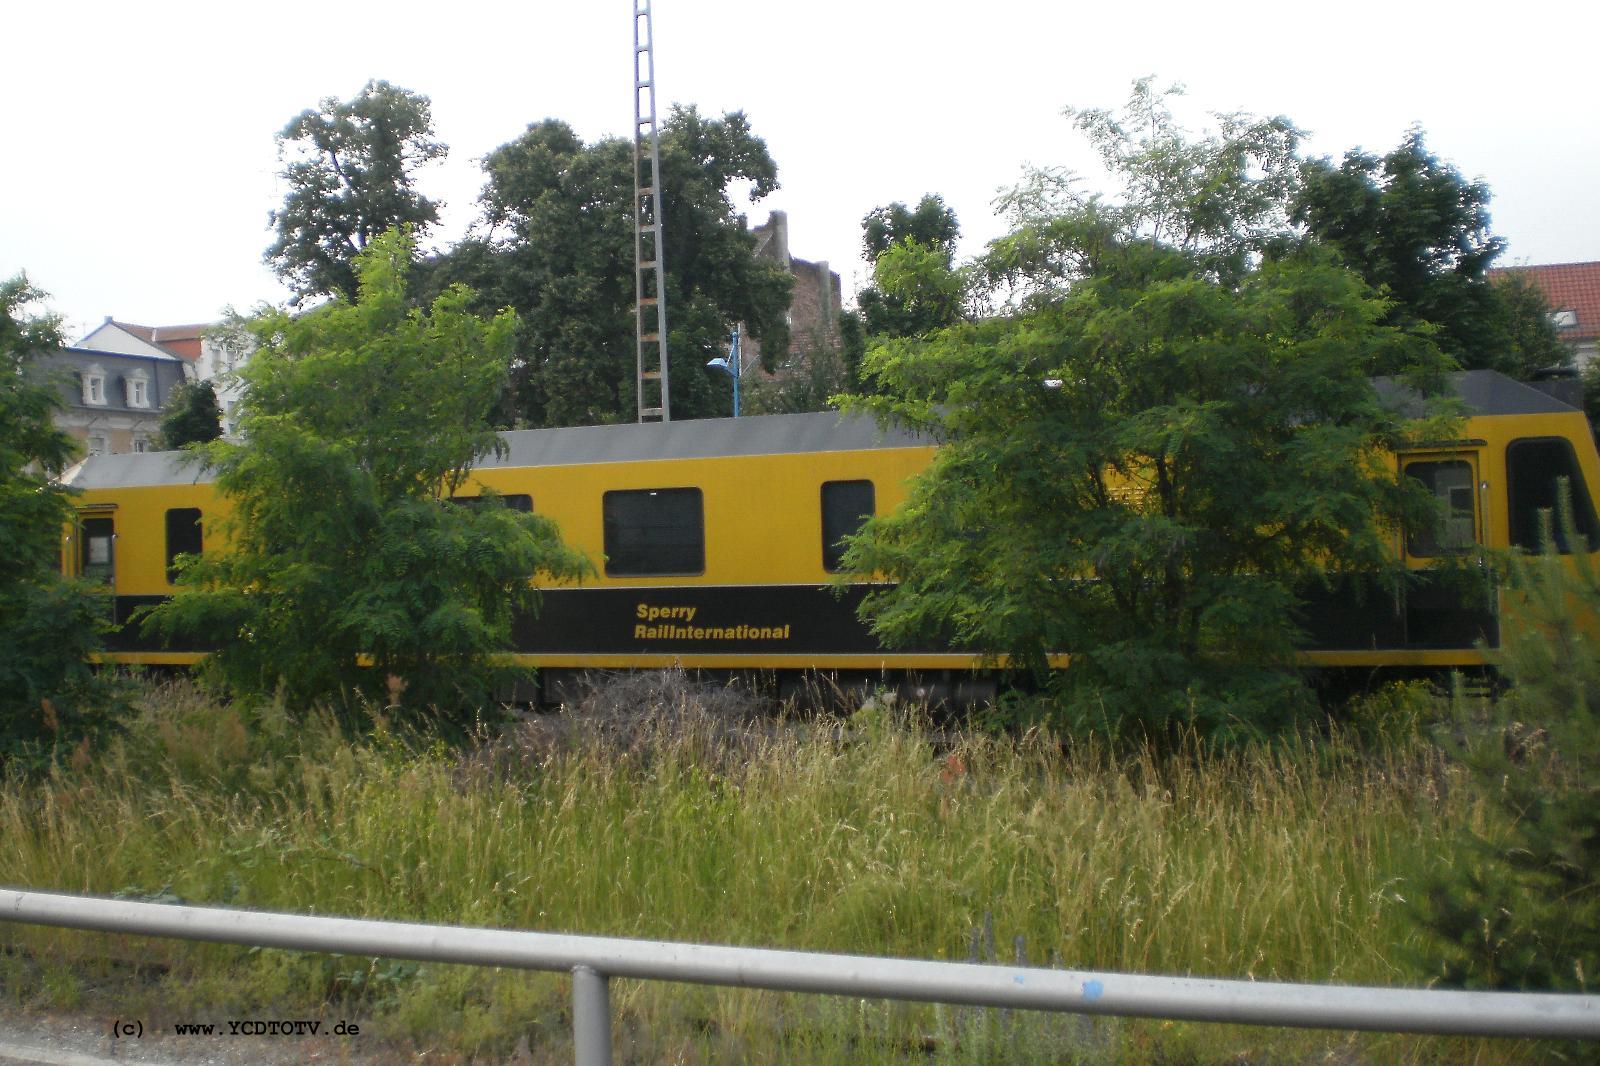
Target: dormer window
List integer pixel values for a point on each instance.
(138, 384)
(94, 385)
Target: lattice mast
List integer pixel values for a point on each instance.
(650, 295)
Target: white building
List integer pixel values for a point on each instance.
(207, 353)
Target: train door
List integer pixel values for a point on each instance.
(97, 550)
(1449, 599)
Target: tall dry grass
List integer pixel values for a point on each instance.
(871, 836)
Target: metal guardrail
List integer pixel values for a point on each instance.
(594, 960)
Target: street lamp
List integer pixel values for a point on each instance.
(730, 364)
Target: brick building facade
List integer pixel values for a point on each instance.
(813, 309)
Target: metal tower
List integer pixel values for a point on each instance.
(650, 311)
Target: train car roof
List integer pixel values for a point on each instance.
(826, 431)
(1482, 392)
(702, 438)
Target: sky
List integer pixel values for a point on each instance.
(140, 161)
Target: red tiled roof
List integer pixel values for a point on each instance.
(183, 341)
(1571, 287)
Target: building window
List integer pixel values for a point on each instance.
(141, 443)
(97, 444)
(1538, 469)
(183, 537)
(846, 506)
(94, 385)
(654, 532)
(138, 384)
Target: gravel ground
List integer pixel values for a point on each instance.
(83, 1039)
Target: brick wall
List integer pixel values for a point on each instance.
(814, 307)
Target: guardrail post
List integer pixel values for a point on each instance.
(591, 1017)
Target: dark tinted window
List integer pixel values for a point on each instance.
(1536, 469)
(1450, 482)
(655, 531)
(846, 506)
(98, 550)
(516, 501)
(183, 537)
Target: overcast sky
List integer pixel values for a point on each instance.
(140, 163)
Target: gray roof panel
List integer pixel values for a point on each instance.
(827, 431)
(1482, 392)
(135, 469)
(703, 438)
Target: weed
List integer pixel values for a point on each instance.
(667, 809)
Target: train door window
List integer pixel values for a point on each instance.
(99, 550)
(1451, 484)
(183, 537)
(1536, 468)
(654, 532)
(846, 506)
(516, 501)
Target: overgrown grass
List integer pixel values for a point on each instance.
(870, 835)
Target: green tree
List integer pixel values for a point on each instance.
(915, 286)
(351, 170)
(345, 565)
(1519, 906)
(48, 625)
(1165, 435)
(192, 417)
(931, 223)
(1418, 231)
(1529, 337)
(810, 387)
(557, 246)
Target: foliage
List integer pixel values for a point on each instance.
(1519, 906)
(1590, 376)
(557, 246)
(915, 288)
(341, 552)
(1528, 335)
(1163, 440)
(48, 625)
(931, 223)
(351, 177)
(667, 814)
(1419, 232)
(193, 416)
(810, 387)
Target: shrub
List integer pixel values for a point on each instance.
(1520, 905)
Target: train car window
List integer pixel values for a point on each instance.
(654, 532)
(183, 537)
(1536, 468)
(516, 501)
(1450, 482)
(846, 506)
(98, 561)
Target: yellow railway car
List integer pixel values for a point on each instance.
(715, 543)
